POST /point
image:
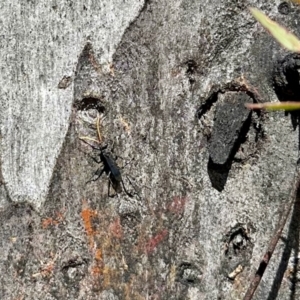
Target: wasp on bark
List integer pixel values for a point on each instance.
(109, 165)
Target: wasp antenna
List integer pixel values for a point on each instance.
(98, 130)
(86, 138)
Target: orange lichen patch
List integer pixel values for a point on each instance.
(110, 246)
(104, 234)
(87, 215)
(177, 205)
(115, 229)
(96, 270)
(110, 276)
(48, 222)
(98, 254)
(52, 221)
(155, 241)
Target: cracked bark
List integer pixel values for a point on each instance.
(162, 76)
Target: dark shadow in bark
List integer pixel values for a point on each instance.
(286, 81)
(206, 106)
(218, 173)
(291, 243)
(286, 78)
(232, 121)
(91, 103)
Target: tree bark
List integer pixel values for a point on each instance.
(204, 180)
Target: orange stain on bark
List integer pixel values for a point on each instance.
(53, 221)
(103, 236)
(47, 270)
(153, 242)
(177, 205)
(87, 215)
(48, 222)
(97, 269)
(116, 229)
(98, 254)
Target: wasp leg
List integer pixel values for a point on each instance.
(125, 190)
(96, 160)
(127, 163)
(98, 173)
(108, 190)
(115, 185)
(133, 185)
(84, 138)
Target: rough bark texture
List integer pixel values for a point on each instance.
(206, 180)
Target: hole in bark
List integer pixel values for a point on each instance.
(91, 103)
(236, 241)
(191, 66)
(72, 263)
(191, 70)
(188, 274)
(237, 248)
(73, 270)
(284, 8)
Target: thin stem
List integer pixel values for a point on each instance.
(274, 240)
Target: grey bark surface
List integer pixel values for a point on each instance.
(206, 179)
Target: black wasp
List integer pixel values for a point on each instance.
(110, 167)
